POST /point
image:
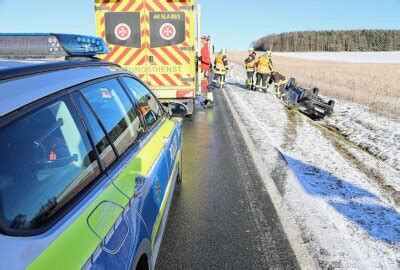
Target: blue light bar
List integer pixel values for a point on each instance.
(50, 45)
(78, 45)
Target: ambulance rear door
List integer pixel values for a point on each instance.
(171, 53)
(122, 24)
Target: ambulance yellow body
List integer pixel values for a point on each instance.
(156, 40)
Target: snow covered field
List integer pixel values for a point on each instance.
(344, 199)
(349, 57)
(376, 134)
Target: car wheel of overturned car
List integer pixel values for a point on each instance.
(315, 90)
(331, 103)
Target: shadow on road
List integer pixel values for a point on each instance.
(237, 85)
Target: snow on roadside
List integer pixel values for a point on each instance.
(377, 134)
(338, 194)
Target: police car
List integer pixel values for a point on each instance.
(89, 158)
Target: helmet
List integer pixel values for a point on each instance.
(205, 37)
(251, 50)
(223, 51)
(269, 53)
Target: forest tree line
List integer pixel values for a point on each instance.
(331, 41)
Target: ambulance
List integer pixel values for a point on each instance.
(157, 41)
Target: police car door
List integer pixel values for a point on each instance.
(162, 144)
(113, 121)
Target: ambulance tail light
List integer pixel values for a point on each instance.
(184, 94)
(50, 45)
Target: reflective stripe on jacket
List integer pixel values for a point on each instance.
(264, 65)
(250, 62)
(219, 62)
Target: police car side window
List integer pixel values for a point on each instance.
(100, 140)
(45, 160)
(148, 104)
(116, 112)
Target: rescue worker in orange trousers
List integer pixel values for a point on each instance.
(205, 67)
(250, 63)
(220, 69)
(264, 70)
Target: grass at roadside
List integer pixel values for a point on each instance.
(374, 85)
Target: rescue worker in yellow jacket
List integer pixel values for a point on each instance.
(264, 70)
(250, 63)
(280, 83)
(220, 69)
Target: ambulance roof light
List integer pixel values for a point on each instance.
(50, 45)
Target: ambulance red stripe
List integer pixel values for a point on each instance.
(111, 54)
(133, 57)
(156, 79)
(160, 6)
(122, 55)
(171, 56)
(142, 61)
(149, 8)
(158, 56)
(169, 79)
(172, 4)
(179, 76)
(182, 54)
(140, 7)
(128, 5)
(115, 6)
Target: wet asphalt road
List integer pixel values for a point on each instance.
(222, 216)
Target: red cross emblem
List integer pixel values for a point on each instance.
(167, 31)
(123, 31)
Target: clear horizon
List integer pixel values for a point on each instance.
(233, 26)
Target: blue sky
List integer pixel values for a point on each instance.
(232, 24)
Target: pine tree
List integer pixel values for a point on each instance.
(350, 40)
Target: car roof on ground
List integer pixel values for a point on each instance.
(29, 87)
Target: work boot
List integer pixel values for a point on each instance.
(210, 96)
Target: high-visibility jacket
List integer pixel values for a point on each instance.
(250, 62)
(205, 58)
(221, 64)
(264, 65)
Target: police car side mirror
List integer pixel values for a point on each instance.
(177, 109)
